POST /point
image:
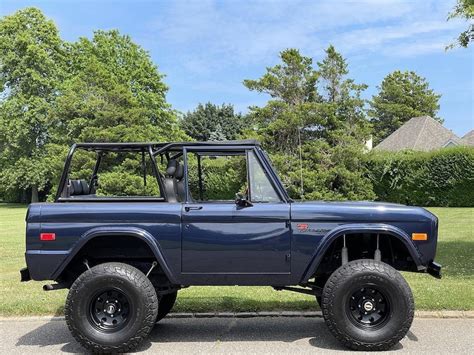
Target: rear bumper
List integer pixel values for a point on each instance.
(25, 274)
(434, 269)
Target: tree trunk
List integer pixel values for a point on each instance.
(34, 193)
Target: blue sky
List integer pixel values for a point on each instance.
(207, 48)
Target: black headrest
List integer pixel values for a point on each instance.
(79, 187)
(171, 168)
(179, 171)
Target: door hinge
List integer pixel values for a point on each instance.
(288, 257)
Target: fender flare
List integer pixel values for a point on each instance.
(115, 231)
(332, 235)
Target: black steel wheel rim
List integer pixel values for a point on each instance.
(109, 310)
(368, 307)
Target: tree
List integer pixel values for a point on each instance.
(213, 122)
(342, 102)
(332, 69)
(293, 105)
(314, 126)
(463, 9)
(55, 93)
(292, 82)
(401, 96)
(113, 93)
(31, 66)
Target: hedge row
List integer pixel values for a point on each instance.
(440, 178)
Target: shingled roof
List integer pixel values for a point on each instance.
(468, 138)
(419, 133)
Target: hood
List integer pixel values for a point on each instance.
(358, 211)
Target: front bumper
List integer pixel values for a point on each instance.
(434, 269)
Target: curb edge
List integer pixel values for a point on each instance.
(445, 314)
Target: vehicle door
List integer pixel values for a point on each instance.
(222, 237)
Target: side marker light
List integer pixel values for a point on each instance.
(419, 236)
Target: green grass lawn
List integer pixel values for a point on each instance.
(454, 291)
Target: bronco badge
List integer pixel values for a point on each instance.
(302, 227)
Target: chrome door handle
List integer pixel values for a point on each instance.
(193, 208)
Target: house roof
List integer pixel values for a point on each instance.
(468, 138)
(419, 133)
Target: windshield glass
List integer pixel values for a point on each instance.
(261, 189)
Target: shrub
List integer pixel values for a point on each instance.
(126, 184)
(440, 178)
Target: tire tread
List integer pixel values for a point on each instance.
(139, 280)
(338, 277)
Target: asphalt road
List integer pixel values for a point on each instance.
(239, 335)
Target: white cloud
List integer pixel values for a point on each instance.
(209, 36)
(425, 35)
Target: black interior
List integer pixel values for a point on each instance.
(78, 187)
(173, 181)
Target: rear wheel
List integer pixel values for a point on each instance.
(367, 305)
(111, 308)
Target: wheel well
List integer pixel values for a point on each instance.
(126, 249)
(362, 246)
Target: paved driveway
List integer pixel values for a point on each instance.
(239, 335)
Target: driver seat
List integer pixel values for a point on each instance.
(179, 175)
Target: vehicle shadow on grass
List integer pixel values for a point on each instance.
(179, 334)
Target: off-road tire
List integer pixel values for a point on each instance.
(166, 303)
(142, 306)
(336, 305)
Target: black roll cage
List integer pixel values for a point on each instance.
(171, 150)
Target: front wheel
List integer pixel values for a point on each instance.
(111, 308)
(367, 305)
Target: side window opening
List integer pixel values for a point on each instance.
(119, 174)
(220, 176)
(216, 176)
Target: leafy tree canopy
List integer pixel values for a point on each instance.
(211, 122)
(32, 63)
(314, 125)
(463, 9)
(113, 92)
(401, 96)
(55, 93)
(292, 82)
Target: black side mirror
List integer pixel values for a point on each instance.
(241, 201)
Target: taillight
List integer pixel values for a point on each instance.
(47, 236)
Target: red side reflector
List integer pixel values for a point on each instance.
(48, 236)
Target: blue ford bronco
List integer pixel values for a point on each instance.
(216, 213)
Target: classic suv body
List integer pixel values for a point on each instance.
(124, 258)
(222, 243)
